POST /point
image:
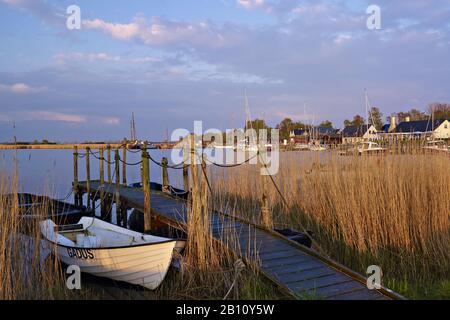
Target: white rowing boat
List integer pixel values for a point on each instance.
(106, 250)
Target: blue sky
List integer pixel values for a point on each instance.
(173, 62)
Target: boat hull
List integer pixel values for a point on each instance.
(144, 265)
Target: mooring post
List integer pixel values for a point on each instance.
(204, 190)
(124, 214)
(185, 167)
(108, 157)
(117, 185)
(194, 174)
(266, 219)
(102, 184)
(75, 176)
(165, 175)
(124, 165)
(88, 178)
(145, 177)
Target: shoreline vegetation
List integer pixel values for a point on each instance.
(389, 210)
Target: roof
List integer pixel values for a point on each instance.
(385, 128)
(324, 130)
(418, 126)
(355, 131)
(299, 132)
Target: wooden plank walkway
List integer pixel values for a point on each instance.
(294, 268)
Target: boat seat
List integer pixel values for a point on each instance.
(69, 228)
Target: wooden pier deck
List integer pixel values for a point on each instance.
(294, 268)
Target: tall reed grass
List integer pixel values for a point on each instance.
(390, 210)
(24, 273)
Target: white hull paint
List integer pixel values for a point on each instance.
(145, 263)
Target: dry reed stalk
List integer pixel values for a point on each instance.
(391, 209)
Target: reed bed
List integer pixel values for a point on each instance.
(208, 270)
(24, 274)
(390, 210)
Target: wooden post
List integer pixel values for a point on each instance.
(266, 219)
(185, 168)
(204, 192)
(145, 177)
(194, 176)
(165, 175)
(124, 215)
(75, 176)
(102, 185)
(117, 185)
(109, 163)
(88, 178)
(124, 165)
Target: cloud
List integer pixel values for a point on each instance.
(21, 88)
(251, 4)
(164, 32)
(117, 30)
(40, 9)
(63, 58)
(54, 116)
(111, 120)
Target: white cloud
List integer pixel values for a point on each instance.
(117, 30)
(251, 4)
(159, 31)
(21, 88)
(55, 116)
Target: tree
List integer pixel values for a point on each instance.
(256, 124)
(376, 118)
(285, 127)
(413, 115)
(439, 110)
(326, 124)
(357, 121)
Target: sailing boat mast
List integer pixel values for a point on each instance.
(133, 128)
(248, 118)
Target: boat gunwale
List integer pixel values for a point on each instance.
(111, 248)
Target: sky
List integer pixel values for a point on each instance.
(172, 62)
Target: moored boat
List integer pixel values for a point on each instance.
(106, 250)
(38, 207)
(436, 145)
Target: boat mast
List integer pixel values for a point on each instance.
(248, 118)
(133, 128)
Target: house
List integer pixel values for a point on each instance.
(436, 129)
(299, 136)
(327, 135)
(355, 134)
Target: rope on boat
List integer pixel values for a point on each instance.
(177, 192)
(67, 196)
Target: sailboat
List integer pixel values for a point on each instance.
(315, 144)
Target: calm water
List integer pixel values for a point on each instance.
(50, 172)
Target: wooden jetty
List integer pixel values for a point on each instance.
(294, 268)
